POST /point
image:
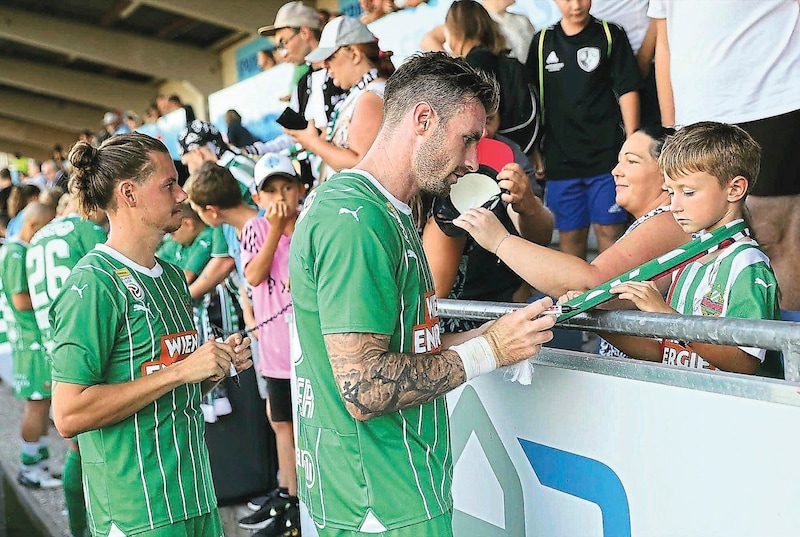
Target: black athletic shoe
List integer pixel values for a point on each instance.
(277, 502)
(254, 504)
(287, 524)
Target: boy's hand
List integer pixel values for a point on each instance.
(569, 295)
(644, 295)
(278, 215)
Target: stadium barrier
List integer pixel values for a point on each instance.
(600, 446)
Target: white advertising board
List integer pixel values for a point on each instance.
(586, 454)
(258, 101)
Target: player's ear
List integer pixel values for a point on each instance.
(737, 188)
(423, 115)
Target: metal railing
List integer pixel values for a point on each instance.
(772, 335)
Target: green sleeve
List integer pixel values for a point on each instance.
(15, 278)
(167, 250)
(219, 246)
(85, 320)
(355, 269)
(754, 294)
(198, 254)
(93, 236)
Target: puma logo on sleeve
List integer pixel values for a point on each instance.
(354, 214)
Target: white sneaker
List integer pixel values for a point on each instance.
(56, 470)
(34, 476)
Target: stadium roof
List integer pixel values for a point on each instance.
(63, 63)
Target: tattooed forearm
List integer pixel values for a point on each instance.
(373, 381)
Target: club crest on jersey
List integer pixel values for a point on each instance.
(174, 348)
(712, 303)
(427, 336)
(588, 58)
(130, 283)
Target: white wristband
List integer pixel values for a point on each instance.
(477, 356)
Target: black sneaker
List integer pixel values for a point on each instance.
(277, 502)
(287, 524)
(254, 504)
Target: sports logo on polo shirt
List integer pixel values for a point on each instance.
(553, 63)
(588, 58)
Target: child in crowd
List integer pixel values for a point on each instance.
(588, 80)
(189, 247)
(265, 258)
(709, 168)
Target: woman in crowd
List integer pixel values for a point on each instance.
(471, 33)
(238, 135)
(354, 60)
(639, 190)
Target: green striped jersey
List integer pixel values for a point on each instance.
(357, 265)
(23, 333)
(114, 322)
(739, 283)
(242, 168)
(54, 250)
(192, 258)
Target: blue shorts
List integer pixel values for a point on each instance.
(576, 203)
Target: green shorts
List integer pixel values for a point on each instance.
(32, 374)
(441, 526)
(208, 525)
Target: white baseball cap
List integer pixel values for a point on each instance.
(293, 15)
(273, 164)
(337, 33)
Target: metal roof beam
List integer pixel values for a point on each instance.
(26, 150)
(243, 15)
(96, 90)
(35, 135)
(147, 55)
(47, 111)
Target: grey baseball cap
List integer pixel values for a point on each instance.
(337, 33)
(292, 15)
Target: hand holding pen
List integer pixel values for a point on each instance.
(241, 348)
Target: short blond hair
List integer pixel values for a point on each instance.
(718, 149)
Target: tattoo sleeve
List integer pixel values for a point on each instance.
(374, 381)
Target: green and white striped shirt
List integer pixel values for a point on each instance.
(114, 322)
(357, 265)
(739, 282)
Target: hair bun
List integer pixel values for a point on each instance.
(83, 157)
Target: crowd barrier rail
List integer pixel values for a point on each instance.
(772, 335)
(599, 446)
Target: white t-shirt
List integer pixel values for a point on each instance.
(518, 31)
(630, 14)
(732, 60)
(315, 109)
